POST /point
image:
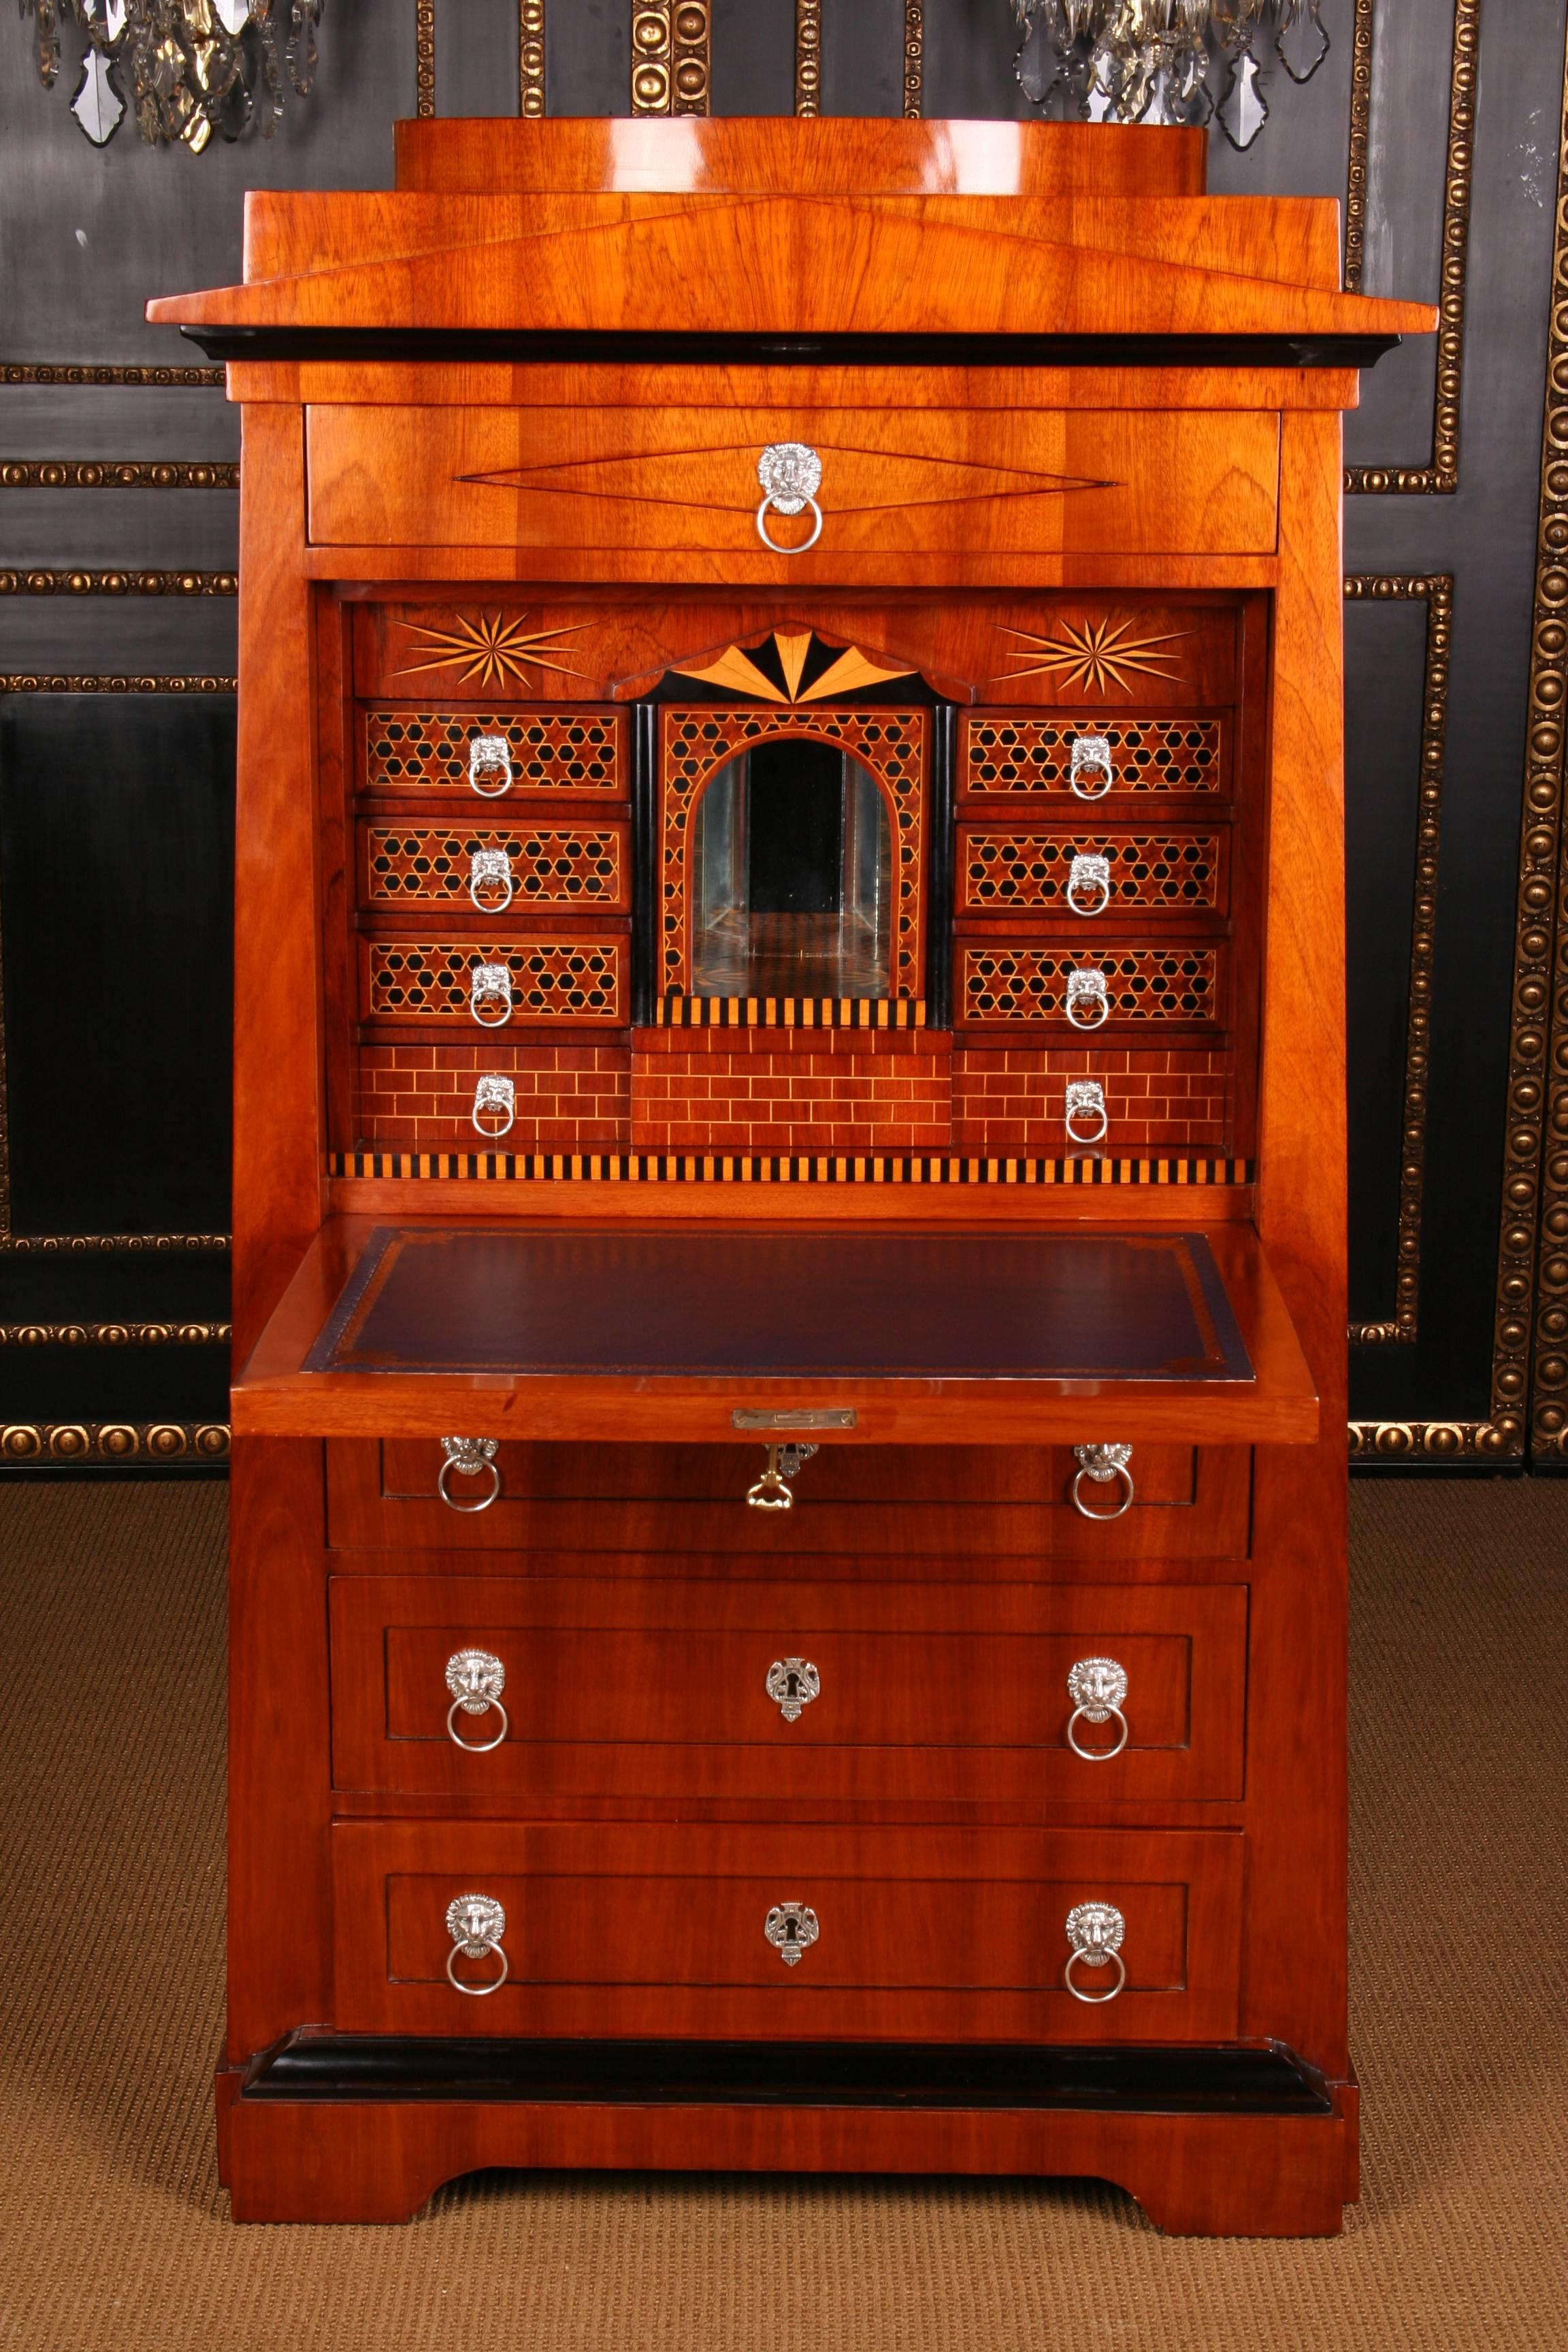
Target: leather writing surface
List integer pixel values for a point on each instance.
(785, 1302)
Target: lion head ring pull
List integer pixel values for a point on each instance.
(489, 765)
(1095, 1931)
(1103, 1466)
(1098, 1689)
(1087, 1118)
(771, 1492)
(495, 1105)
(490, 994)
(476, 1923)
(475, 1679)
(1088, 997)
(1089, 883)
(791, 475)
(1090, 772)
(789, 1928)
(471, 1457)
(490, 886)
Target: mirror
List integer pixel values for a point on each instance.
(792, 881)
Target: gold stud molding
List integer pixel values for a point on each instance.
(670, 40)
(531, 60)
(808, 57)
(1442, 475)
(1437, 591)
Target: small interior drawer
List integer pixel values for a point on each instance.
(1090, 874)
(561, 866)
(421, 976)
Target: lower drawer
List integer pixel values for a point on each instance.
(930, 1933)
(684, 1689)
(863, 1501)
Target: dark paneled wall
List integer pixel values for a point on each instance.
(114, 804)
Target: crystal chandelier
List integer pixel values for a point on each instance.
(1161, 61)
(189, 66)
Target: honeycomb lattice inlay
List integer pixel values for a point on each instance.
(1034, 755)
(1019, 984)
(551, 980)
(551, 750)
(1009, 870)
(548, 868)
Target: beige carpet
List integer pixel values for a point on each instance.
(114, 2233)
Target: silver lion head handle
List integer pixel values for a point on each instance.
(471, 1457)
(476, 1923)
(490, 994)
(791, 475)
(1095, 1931)
(475, 1679)
(1089, 883)
(495, 1106)
(490, 885)
(1088, 997)
(792, 1683)
(789, 1928)
(1089, 771)
(489, 765)
(1103, 1466)
(1098, 1689)
(771, 1492)
(1088, 1119)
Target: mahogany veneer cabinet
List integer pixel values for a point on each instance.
(790, 941)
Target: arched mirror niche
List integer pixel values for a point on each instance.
(792, 879)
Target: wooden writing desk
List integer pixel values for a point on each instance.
(789, 1484)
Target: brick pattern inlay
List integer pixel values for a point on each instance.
(1008, 984)
(548, 868)
(551, 980)
(698, 742)
(421, 1097)
(551, 750)
(761, 1091)
(1019, 754)
(1016, 1101)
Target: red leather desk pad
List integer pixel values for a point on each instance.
(784, 1302)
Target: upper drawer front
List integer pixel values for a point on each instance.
(488, 869)
(1088, 872)
(893, 483)
(787, 1692)
(863, 1503)
(414, 748)
(1006, 754)
(934, 1932)
(566, 979)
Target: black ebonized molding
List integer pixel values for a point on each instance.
(618, 345)
(939, 868)
(645, 862)
(1151, 2079)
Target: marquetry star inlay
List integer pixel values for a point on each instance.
(493, 651)
(1095, 655)
(736, 672)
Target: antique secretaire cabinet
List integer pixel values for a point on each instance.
(789, 1486)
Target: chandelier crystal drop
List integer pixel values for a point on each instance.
(1164, 62)
(185, 67)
